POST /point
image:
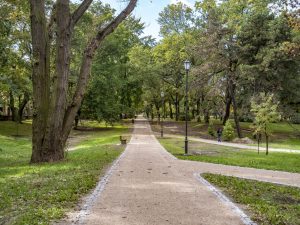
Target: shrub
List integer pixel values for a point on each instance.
(210, 129)
(228, 132)
(182, 117)
(296, 118)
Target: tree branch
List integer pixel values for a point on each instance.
(87, 63)
(80, 11)
(51, 22)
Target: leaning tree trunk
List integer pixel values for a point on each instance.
(52, 117)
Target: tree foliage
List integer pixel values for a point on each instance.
(265, 111)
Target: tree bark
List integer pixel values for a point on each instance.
(52, 117)
(267, 144)
(258, 142)
(228, 100)
(236, 118)
(170, 108)
(152, 114)
(22, 106)
(157, 112)
(206, 116)
(40, 81)
(12, 106)
(235, 111)
(267, 140)
(198, 108)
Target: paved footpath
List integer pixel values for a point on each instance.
(148, 186)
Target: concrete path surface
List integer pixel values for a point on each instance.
(235, 145)
(148, 186)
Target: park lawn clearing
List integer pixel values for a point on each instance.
(289, 143)
(39, 194)
(232, 156)
(283, 135)
(9, 128)
(267, 203)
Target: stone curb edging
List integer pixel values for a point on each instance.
(246, 220)
(90, 201)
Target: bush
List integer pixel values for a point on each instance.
(296, 118)
(228, 132)
(210, 129)
(182, 117)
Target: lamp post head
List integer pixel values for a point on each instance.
(187, 65)
(162, 94)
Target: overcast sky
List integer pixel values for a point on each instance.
(148, 11)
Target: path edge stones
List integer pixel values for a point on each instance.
(226, 201)
(96, 194)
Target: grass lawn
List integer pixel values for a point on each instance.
(283, 135)
(289, 143)
(37, 194)
(232, 156)
(266, 203)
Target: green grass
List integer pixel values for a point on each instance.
(39, 194)
(284, 144)
(233, 156)
(283, 135)
(96, 124)
(281, 127)
(9, 128)
(267, 203)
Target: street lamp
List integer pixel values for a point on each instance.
(162, 94)
(187, 66)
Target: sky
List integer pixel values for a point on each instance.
(148, 11)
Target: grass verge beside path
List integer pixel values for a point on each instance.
(283, 134)
(39, 194)
(232, 156)
(267, 203)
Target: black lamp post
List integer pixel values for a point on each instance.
(187, 66)
(162, 94)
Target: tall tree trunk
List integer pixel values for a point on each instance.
(206, 116)
(176, 107)
(12, 106)
(198, 109)
(235, 113)
(40, 80)
(258, 142)
(267, 144)
(228, 102)
(152, 114)
(52, 118)
(267, 140)
(157, 112)
(22, 106)
(170, 109)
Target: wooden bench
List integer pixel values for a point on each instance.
(123, 140)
